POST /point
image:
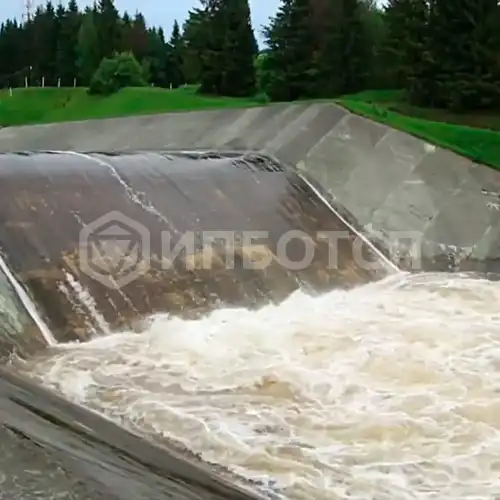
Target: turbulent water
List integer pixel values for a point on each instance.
(388, 391)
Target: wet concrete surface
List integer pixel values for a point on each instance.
(50, 448)
(28, 472)
(46, 199)
(19, 334)
(391, 181)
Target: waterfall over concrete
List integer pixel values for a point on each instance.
(168, 200)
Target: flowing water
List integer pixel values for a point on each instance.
(387, 391)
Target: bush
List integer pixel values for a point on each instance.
(262, 98)
(115, 73)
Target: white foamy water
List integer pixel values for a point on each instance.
(388, 391)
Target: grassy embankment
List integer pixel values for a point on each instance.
(50, 105)
(476, 136)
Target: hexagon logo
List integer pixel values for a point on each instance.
(114, 250)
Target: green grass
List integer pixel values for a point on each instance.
(394, 100)
(378, 96)
(36, 105)
(482, 145)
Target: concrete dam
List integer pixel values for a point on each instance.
(195, 378)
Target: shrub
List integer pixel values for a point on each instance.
(115, 73)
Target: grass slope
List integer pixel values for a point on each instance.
(48, 105)
(482, 145)
(395, 100)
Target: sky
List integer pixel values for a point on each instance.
(157, 12)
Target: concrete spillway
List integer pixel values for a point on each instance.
(308, 168)
(167, 200)
(58, 292)
(389, 180)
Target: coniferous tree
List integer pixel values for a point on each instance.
(54, 45)
(194, 41)
(45, 45)
(461, 64)
(213, 54)
(228, 58)
(174, 68)
(88, 49)
(328, 60)
(353, 46)
(290, 59)
(15, 57)
(125, 24)
(406, 29)
(444, 53)
(108, 28)
(60, 15)
(67, 47)
(372, 16)
(139, 39)
(240, 50)
(158, 57)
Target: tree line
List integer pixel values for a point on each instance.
(64, 46)
(442, 53)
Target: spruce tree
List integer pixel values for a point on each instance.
(406, 24)
(319, 49)
(195, 39)
(64, 43)
(290, 59)
(88, 48)
(158, 57)
(372, 18)
(240, 50)
(45, 44)
(67, 45)
(212, 62)
(353, 45)
(174, 57)
(462, 53)
(228, 58)
(139, 38)
(108, 28)
(16, 52)
(126, 34)
(329, 60)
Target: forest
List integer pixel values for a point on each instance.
(442, 53)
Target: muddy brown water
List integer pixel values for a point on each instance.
(46, 199)
(321, 382)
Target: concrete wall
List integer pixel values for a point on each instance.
(18, 331)
(390, 181)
